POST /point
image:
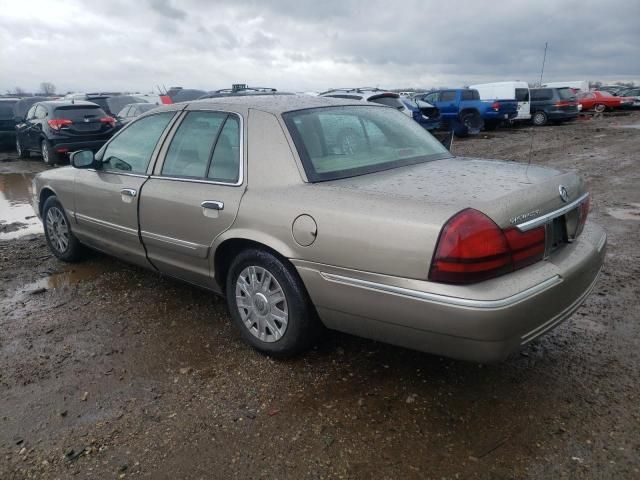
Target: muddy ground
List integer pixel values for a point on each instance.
(109, 371)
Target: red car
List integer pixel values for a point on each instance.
(601, 101)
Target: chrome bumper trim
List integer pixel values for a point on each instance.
(536, 222)
(562, 316)
(444, 299)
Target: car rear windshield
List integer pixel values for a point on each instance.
(566, 94)
(341, 142)
(118, 102)
(388, 100)
(77, 113)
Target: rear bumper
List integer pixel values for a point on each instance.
(72, 146)
(482, 323)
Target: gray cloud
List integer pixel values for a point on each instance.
(303, 45)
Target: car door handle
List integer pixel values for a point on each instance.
(128, 194)
(212, 205)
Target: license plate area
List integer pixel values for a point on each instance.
(560, 231)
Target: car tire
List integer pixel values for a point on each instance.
(270, 305)
(539, 119)
(22, 153)
(49, 156)
(599, 108)
(57, 231)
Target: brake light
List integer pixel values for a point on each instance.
(58, 123)
(495, 106)
(110, 120)
(472, 248)
(562, 103)
(583, 212)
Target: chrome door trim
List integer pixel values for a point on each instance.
(537, 222)
(444, 299)
(109, 225)
(172, 241)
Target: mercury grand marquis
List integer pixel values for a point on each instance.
(310, 212)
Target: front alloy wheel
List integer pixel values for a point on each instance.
(57, 229)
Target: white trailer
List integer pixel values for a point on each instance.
(515, 90)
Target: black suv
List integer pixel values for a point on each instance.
(553, 104)
(56, 128)
(7, 123)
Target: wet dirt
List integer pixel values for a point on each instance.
(107, 370)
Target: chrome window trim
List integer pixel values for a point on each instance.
(193, 180)
(445, 299)
(116, 172)
(537, 222)
(102, 223)
(162, 155)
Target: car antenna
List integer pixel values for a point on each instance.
(544, 59)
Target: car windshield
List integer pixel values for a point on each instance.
(145, 107)
(566, 94)
(341, 142)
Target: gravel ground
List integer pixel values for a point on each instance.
(109, 371)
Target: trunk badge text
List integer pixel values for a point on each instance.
(564, 194)
(524, 216)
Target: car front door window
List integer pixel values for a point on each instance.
(130, 152)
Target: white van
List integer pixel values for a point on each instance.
(582, 85)
(507, 91)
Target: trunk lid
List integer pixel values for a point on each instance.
(508, 192)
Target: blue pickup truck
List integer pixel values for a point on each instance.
(463, 112)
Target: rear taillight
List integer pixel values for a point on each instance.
(58, 123)
(166, 99)
(583, 212)
(562, 103)
(495, 106)
(108, 120)
(472, 248)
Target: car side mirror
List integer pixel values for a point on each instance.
(83, 159)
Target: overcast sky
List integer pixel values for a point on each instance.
(302, 45)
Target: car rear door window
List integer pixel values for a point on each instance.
(131, 150)
(470, 95)
(542, 94)
(192, 146)
(41, 112)
(448, 96)
(225, 164)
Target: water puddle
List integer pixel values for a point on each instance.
(80, 273)
(17, 217)
(632, 213)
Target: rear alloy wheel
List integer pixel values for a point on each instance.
(539, 119)
(57, 231)
(599, 108)
(270, 305)
(49, 156)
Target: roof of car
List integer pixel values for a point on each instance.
(275, 103)
(64, 103)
